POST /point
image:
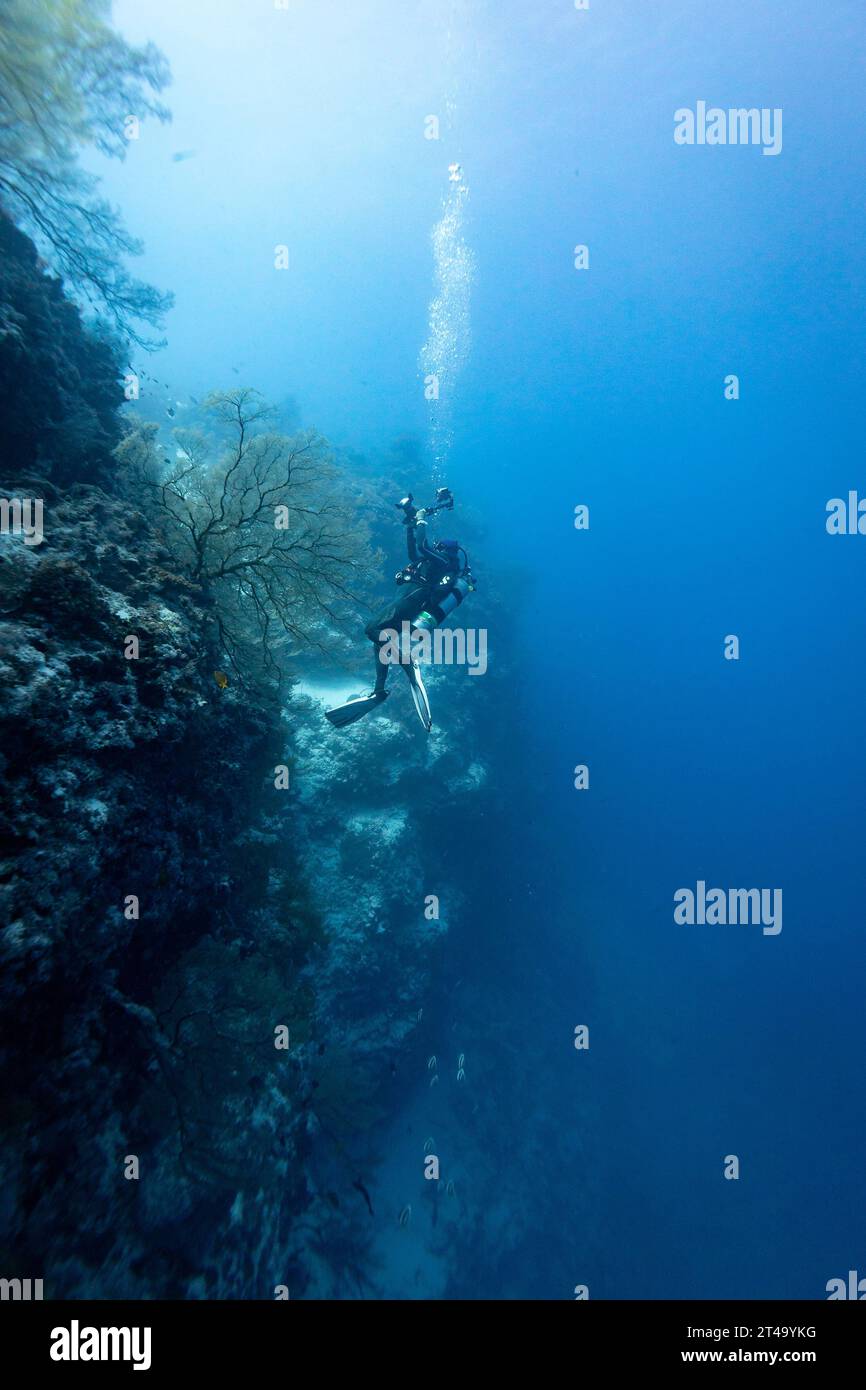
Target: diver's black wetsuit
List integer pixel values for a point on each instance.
(419, 596)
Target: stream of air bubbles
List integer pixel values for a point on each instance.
(446, 349)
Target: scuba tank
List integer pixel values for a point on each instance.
(457, 590)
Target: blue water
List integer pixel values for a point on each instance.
(602, 387)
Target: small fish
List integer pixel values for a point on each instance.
(321, 1048)
(420, 1015)
(235, 370)
(405, 1216)
(434, 1080)
(449, 1188)
(333, 1199)
(221, 679)
(359, 1187)
(460, 1060)
(461, 1075)
(180, 155)
(429, 1146)
(431, 1063)
(170, 410)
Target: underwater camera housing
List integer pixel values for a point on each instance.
(444, 502)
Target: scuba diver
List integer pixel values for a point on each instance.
(437, 580)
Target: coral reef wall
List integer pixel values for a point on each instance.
(215, 949)
(59, 386)
(128, 781)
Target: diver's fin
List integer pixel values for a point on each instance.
(355, 709)
(419, 694)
